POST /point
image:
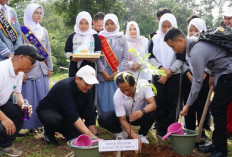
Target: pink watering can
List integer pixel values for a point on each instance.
(84, 141)
(175, 128)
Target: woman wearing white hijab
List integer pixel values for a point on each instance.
(139, 43)
(83, 37)
(36, 85)
(167, 86)
(195, 26)
(118, 44)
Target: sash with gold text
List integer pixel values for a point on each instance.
(109, 54)
(32, 39)
(7, 29)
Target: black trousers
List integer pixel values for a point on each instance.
(218, 107)
(13, 112)
(166, 101)
(54, 122)
(109, 121)
(195, 111)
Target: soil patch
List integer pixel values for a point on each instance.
(148, 150)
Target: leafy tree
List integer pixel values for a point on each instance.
(70, 8)
(181, 12)
(141, 12)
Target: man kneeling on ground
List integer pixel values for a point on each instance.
(142, 113)
(11, 99)
(67, 104)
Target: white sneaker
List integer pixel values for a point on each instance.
(121, 135)
(144, 139)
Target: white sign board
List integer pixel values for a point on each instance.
(118, 145)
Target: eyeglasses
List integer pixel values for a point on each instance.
(33, 61)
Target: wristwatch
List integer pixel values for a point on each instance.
(143, 111)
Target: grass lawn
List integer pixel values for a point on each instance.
(33, 145)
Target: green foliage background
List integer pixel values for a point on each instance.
(60, 16)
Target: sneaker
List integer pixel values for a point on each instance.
(144, 139)
(10, 151)
(121, 135)
(50, 139)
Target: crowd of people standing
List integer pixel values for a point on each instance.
(105, 89)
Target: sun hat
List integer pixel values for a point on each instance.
(88, 74)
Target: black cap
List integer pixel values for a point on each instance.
(28, 50)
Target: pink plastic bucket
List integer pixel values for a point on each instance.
(175, 128)
(84, 141)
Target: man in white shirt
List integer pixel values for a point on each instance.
(11, 99)
(141, 114)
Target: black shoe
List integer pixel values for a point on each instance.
(160, 133)
(229, 135)
(206, 149)
(202, 142)
(218, 154)
(50, 139)
(33, 131)
(20, 135)
(203, 135)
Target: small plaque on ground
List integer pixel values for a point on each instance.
(118, 145)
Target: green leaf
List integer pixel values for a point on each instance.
(153, 88)
(124, 75)
(115, 77)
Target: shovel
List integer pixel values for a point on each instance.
(207, 103)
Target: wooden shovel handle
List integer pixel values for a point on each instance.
(207, 103)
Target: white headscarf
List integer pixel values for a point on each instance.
(137, 41)
(87, 34)
(116, 32)
(128, 27)
(138, 37)
(198, 23)
(163, 53)
(87, 16)
(35, 27)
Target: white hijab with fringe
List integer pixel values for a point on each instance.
(163, 53)
(35, 27)
(138, 37)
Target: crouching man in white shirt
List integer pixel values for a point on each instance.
(141, 114)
